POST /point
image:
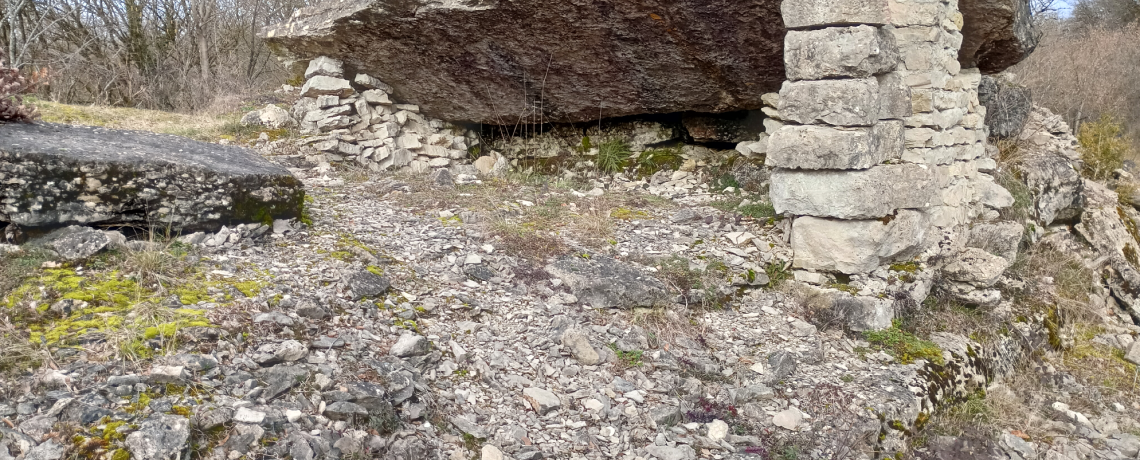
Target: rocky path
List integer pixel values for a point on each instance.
(407, 322)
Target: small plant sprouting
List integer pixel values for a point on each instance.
(613, 155)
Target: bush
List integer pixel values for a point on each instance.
(1103, 147)
(12, 85)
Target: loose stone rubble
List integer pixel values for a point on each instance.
(400, 350)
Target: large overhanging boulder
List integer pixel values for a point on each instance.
(996, 34)
(502, 62)
(54, 175)
(489, 61)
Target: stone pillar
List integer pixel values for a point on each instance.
(882, 131)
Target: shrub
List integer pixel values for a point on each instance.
(1103, 147)
(12, 85)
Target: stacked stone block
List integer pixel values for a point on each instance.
(882, 131)
(359, 122)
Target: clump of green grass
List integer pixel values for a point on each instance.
(758, 210)
(904, 346)
(613, 155)
(1104, 147)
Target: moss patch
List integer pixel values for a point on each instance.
(904, 346)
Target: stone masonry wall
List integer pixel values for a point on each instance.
(882, 134)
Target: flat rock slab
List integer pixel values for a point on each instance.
(475, 60)
(55, 175)
(602, 282)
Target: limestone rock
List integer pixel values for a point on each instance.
(858, 246)
(1056, 187)
(1000, 238)
(863, 313)
(159, 438)
(681, 452)
(867, 194)
(324, 66)
(603, 282)
(326, 86)
(131, 177)
(1133, 355)
(996, 34)
(788, 419)
(811, 13)
(364, 283)
(580, 347)
(410, 345)
(542, 401)
(826, 147)
(77, 243)
(272, 117)
(686, 57)
(1007, 106)
(839, 52)
(975, 267)
(847, 102)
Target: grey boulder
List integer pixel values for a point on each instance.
(76, 242)
(475, 61)
(1007, 106)
(602, 282)
(996, 34)
(272, 117)
(55, 175)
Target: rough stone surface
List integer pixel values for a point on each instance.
(77, 243)
(326, 86)
(84, 175)
(732, 127)
(864, 313)
(812, 13)
(866, 194)
(838, 52)
(686, 56)
(856, 246)
(410, 345)
(848, 102)
(826, 147)
(975, 267)
(272, 117)
(542, 401)
(159, 438)
(995, 34)
(1007, 106)
(603, 282)
(998, 238)
(366, 284)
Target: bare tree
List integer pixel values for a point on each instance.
(166, 54)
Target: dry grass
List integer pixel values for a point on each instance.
(206, 126)
(1082, 74)
(536, 216)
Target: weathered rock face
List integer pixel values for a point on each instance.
(56, 175)
(995, 34)
(470, 61)
(1007, 106)
(490, 61)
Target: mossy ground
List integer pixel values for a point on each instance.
(118, 309)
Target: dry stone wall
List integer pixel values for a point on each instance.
(358, 122)
(881, 139)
